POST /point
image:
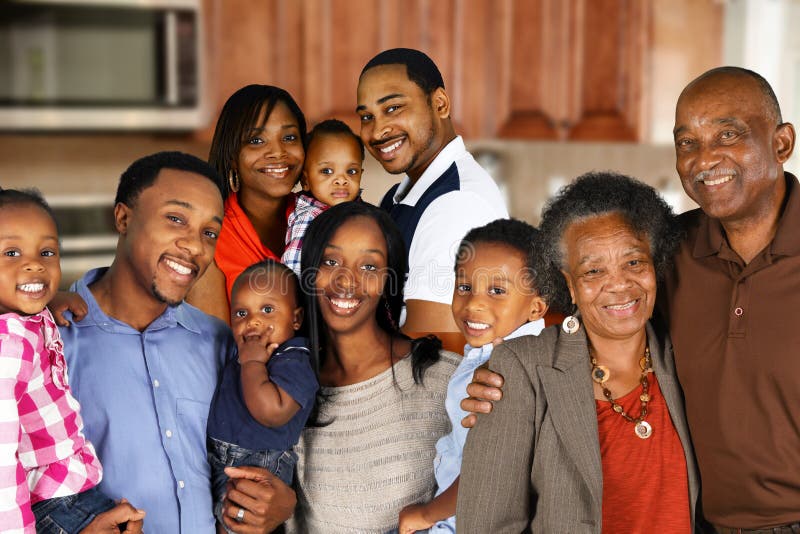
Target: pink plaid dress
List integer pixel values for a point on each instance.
(43, 453)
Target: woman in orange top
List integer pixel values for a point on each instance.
(258, 146)
(590, 435)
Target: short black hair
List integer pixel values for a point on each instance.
(239, 116)
(766, 89)
(419, 67)
(143, 172)
(26, 197)
(287, 279)
(599, 193)
(513, 233)
(333, 127)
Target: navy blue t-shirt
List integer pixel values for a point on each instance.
(290, 369)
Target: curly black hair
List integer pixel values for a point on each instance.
(598, 193)
(333, 127)
(513, 233)
(26, 197)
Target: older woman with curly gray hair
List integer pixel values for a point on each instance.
(590, 435)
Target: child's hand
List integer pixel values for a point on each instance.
(109, 521)
(67, 301)
(256, 347)
(412, 519)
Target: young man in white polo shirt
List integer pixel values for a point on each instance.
(406, 126)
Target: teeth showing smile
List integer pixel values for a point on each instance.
(391, 147)
(346, 304)
(625, 306)
(178, 268)
(31, 288)
(477, 326)
(718, 181)
(278, 170)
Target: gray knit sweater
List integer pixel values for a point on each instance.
(356, 474)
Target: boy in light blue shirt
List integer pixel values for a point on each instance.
(496, 298)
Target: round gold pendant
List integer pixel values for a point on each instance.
(643, 429)
(600, 374)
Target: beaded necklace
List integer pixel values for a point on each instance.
(601, 374)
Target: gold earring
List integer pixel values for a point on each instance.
(233, 181)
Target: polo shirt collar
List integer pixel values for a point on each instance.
(787, 239)
(711, 235)
(172, 316)
(409, 193)
(531, 328)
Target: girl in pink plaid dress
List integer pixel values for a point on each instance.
(48, 470)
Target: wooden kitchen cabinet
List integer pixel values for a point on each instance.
(527, 69)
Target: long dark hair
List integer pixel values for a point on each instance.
(239, 116)
(425, 350)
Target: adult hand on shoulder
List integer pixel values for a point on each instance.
(486, 388)
(110, 521)
(266, 502)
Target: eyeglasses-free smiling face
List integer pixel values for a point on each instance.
(729, 148)
(494, 293)
(400, 126)
(265, 304)
(29, 265)
(610, 274)
(352, 276)
(170, 234)
(332, 170)
(271, 157)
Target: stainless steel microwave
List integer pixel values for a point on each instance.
(101, 65)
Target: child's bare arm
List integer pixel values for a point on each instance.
(269, 404)
(423, 516)
(67, 301)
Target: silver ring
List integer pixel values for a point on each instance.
(240, 515)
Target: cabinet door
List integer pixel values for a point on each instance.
(529, 69)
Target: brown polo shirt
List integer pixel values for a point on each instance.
(736, 335)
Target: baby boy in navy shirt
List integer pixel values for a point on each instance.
(266, 395)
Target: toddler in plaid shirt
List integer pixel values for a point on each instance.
(48, 470)
(331, 175)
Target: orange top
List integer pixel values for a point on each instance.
(239, 246)
(645, 484)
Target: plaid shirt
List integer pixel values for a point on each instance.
(43, 453)
(306, 208)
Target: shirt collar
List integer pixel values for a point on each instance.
(711, 235)
(409, 193)
(532, 328)
(172, 316)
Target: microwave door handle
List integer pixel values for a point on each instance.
(171, 58)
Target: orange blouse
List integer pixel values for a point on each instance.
(239, 246)
(645, 484)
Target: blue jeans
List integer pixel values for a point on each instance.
(222, 454)
(71, 514)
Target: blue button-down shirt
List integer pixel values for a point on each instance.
(450, 448)
(144, 399)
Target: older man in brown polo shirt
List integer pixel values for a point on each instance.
(733, 303)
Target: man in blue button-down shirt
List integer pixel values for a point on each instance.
(144, 364)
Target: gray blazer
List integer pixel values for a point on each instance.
(533, 464)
